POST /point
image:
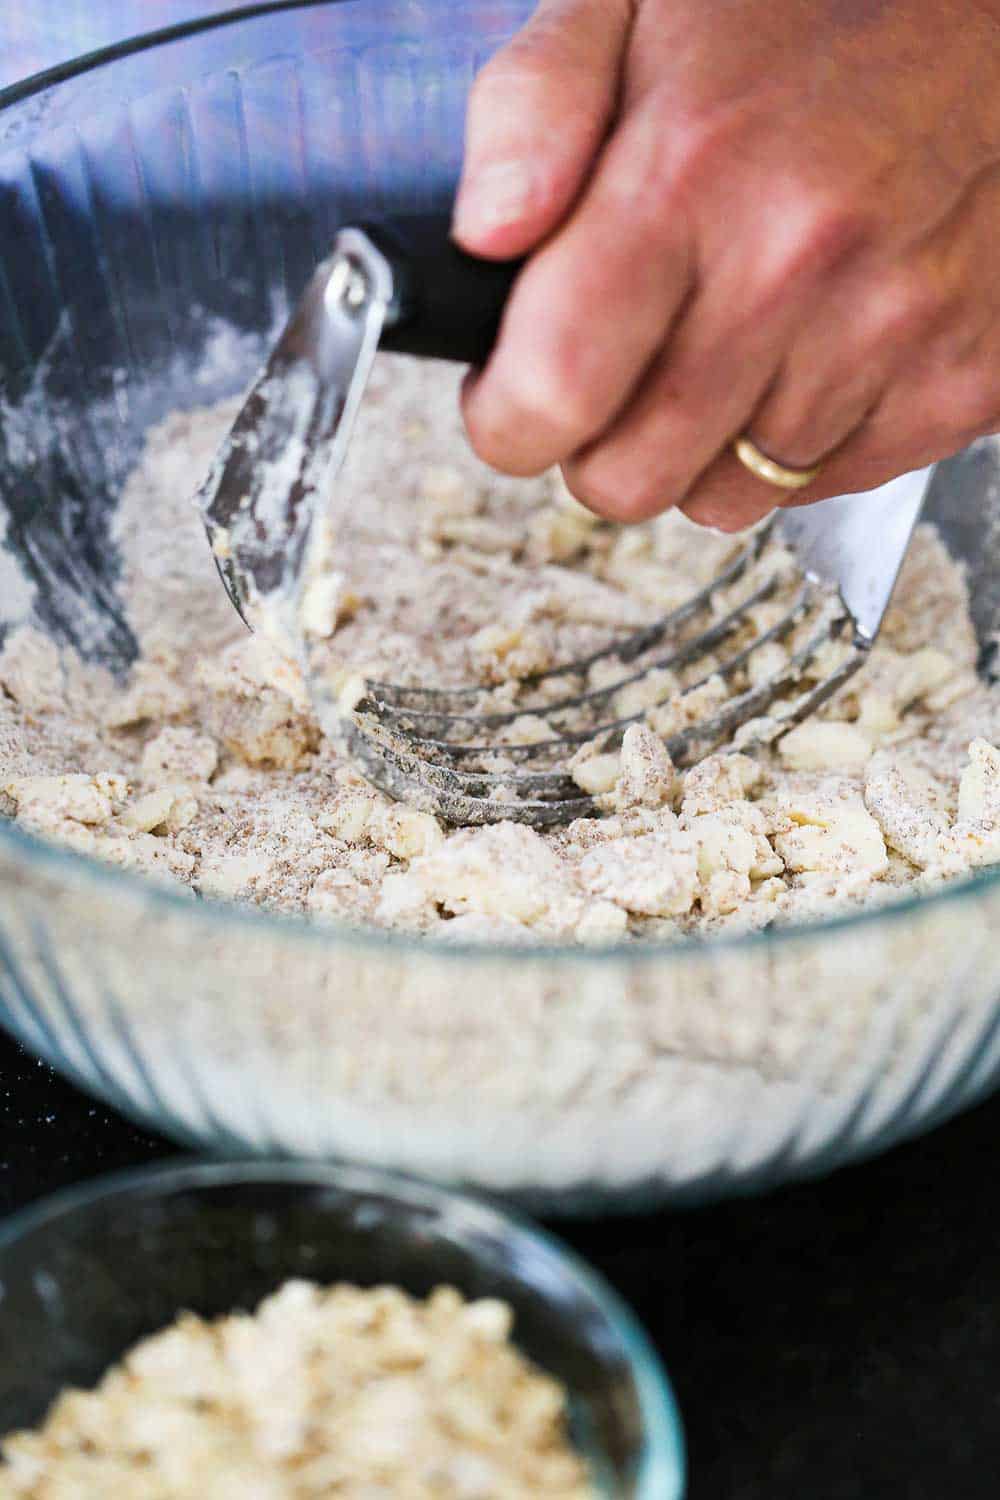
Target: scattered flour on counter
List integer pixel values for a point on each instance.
(206, 769)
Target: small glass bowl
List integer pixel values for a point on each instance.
(91, 1270)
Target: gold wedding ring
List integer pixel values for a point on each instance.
(768, 469)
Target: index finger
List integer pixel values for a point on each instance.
(537, 115)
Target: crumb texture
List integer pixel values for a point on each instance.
(340, 1391)
(205, 769)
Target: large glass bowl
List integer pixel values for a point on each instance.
(145, 195)
(89, 1272)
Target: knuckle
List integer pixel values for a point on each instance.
(807, 423)
(544, 410)
(701, 146)
(798, 445)
(827, 231)
(903, 310)
(617, 495)
(664, 161)
(970, 403)
(557, 390)
(696, 155)
(811, 239)
(787, 419)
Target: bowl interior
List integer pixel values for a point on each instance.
(162, 209)
(83, 1282)
(159, 214)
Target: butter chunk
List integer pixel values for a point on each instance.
(655, 686)
(510, 650)
(922, 672)
(475, 532)
(326, 603)
(594, 771)
(654, 875)
(700, 704)
(825, 745)
(150, 855)
(977, 831)
(829, 833)
(722, 845)
(979, 788)
(907, 805)
(351, 815)
(32, 670)
(647, 776)
(716, 781)
(977, 844)
(181, 754)
(769, 660)
(729, 831)
(148, 812)
(723, 892)
(266, 731)
(505, 870)
(338, 893)
(253, 701)
(227, 874)
(892, 682)
(526, 729)
(727, 852)
(170, 808)
(358, 816)
(446, 491)
(405, 832)
(75, 796)
(403, 901)
(602, 922)
(558, 534)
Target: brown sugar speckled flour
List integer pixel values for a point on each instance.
(207, 769)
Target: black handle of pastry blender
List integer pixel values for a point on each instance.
(447, 304)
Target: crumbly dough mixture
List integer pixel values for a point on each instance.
(339, 1391)
(205, 768)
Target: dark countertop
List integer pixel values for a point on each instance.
(838, 1340)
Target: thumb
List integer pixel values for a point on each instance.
(538, 114)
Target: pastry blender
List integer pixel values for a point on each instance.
(406, 287)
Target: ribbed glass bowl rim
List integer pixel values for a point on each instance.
(81, 868)
(663, 1458)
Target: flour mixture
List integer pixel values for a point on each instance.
(206, 769)
(341, 1390)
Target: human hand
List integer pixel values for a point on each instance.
(771, 217)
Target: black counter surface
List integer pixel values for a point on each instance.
(838, 1340)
